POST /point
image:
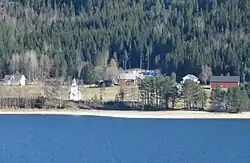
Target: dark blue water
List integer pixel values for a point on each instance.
(75, 139)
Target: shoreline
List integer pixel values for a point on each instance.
(129, 114)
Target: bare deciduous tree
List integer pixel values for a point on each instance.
(99, 72)
(59, 90)
(31, 58)
(14, 63)
(112, 70)
(80, 65)
(206, 73)
(27, 62)
(45, 67)
(101, 59)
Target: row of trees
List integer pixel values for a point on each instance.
(235, 99)
(72, 38)
(162, 92)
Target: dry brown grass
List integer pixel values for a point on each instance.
(109, 93)
(20, 91)
(28, 91)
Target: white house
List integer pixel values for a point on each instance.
(14, 80)
(74, 94)
(130, 75)
(190, 77)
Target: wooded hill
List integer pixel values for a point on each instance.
(70, 38)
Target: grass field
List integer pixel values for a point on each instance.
(109, 93)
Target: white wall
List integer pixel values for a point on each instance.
(76, 96)
(22, 81)
(186, 78)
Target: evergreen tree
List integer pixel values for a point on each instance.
(202, 98)
(167, 90)
(218, 98)
(175, 36)
(190, 94)
(236, 100)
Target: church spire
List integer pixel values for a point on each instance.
(74, 82)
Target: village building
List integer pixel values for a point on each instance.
(126, 78)
(190, 77)
(129, 76)
(104, 83)
(74, 94)
(224, 81)
(14, 80)
(150, 73)
(135, 75)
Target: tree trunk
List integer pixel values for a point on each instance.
(148, 63)
(60, 105)
(173, 104)
(140, 60)
(166, 102)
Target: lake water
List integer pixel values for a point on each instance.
(82, 139)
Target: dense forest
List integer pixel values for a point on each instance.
(49, 38)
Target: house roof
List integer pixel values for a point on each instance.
(225, 79)
(190, 76)
(16, 78)
(128, 76)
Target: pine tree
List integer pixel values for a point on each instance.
(218, 98)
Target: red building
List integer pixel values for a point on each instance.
(127, 78)
(224, 81)
(122, 81)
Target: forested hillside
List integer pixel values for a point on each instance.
(70, 38)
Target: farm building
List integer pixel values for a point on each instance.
(190, 77)
(14, 80)
(150, 73)
(127, 78)
(224, 81)
(133, 75)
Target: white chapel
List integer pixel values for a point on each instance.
(74, 94)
